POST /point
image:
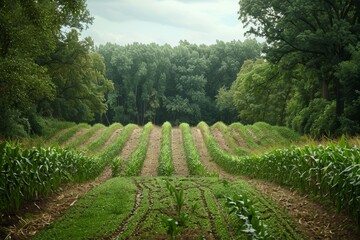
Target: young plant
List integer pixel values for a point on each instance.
(248, 217)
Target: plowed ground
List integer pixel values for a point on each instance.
(151, 201)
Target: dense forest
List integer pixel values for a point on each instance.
(306, 75)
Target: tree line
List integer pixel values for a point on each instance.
(306, 75)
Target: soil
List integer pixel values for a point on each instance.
(239, 139)
(219, 138)
(96, 135)
(178, 153)
(36, 215)
(205, 157)
(316, 221)
(112, 138)
(153, 152)
(131, 144)
(75, 136)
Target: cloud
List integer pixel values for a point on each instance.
(164, 20)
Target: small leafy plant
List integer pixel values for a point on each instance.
(249, 218)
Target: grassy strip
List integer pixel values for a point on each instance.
(166, 165)
(26, 174)
(137, 158)
(192, 155)
(229, 139)
(84, 137)
(68, 134)
(95, 145)
(96, 214)
(99, 212)
(245, 135)
(53, 126)
(108, 154)
(330, 172)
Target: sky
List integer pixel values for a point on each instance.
(164, 21)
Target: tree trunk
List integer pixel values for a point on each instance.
(340, 104)
(325, 89)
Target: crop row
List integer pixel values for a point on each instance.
(166, 166)
(328, 171)
(27, 174)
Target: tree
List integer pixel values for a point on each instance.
(28, 31)
(315, 33)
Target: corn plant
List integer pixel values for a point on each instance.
(29, 173)
(248, 217)
(192, 155)
(331, 171)
(166, 166)
(137, 158)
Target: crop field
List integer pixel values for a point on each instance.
(165, 182)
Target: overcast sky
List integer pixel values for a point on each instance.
(164, 21)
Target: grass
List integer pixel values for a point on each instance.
(62, 138)
(85, 136)
(110, 206)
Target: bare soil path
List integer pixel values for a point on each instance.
(113, 136)
(75, 136)
(153, 152)
(220, 139)
(316, 221)
(131, 144)
(96, 135)
(205, 157)
(238, 138)
(178, 153)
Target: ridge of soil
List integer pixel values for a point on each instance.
(131, 144)
(152, 154)
(111, 139)
(316, 221)
(204, 155)
(96, 135)
(238, 138)
(45, 210)
(178, 154)
(220, 139)
(75, 136)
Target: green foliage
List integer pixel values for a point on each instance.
(192, 155)
(29, 31)
(137, 158)
(85, 136)
(27, 174)
(116, 165)
(95, 145)
(175, 84)
(166, 165)
(320, 38)
(110, 152)
(248, 216)
(60, 139)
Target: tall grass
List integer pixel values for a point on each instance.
(60, 139)
(166, 165)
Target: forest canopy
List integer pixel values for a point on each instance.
(306, 75)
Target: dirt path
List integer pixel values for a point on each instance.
(205, 157)
(220, 139)
(239, 139)
(178, 153)
(75, 136)
(315, 221)
(111, 139)
(153, 152)
(96, 135)
(45, 210)
(131, 144)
